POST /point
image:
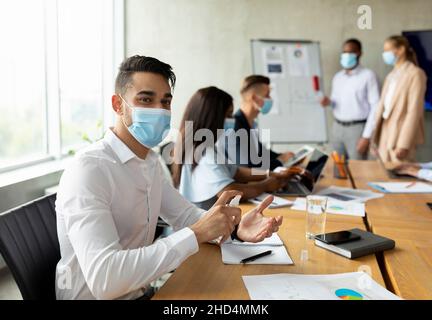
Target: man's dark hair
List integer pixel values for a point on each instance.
(355, 42)
(252, 81)
(141, 64)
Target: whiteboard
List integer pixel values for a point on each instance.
(296, 116)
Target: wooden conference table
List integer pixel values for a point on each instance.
(204, 276)
(408, 220)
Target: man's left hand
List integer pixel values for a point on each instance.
(410, 169)
(254, 227)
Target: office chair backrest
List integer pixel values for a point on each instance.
(30, 247)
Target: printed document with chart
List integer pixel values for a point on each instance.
(343, 286)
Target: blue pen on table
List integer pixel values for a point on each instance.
(379, 188)
(257, 256)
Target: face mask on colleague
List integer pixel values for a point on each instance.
(149, 125)
(348, 60)
(266, 107)
(389, 58)
(229, 124)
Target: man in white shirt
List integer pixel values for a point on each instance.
(112, 194)
(418, 170)
(354, 97)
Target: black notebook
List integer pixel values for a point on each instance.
(367, 244)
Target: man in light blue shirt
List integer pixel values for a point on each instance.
(418, 170)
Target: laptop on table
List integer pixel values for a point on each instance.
(315, 164)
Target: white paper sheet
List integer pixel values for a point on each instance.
(298, 60)
(274, 94)
(402, 187)
(234, 251)
(273, 62)
(278, 202)
(348, 208)
(349, 194)
(299, 204)
(355, 285)
(274, 240)
(233, 254)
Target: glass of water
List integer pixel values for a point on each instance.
(316, 215)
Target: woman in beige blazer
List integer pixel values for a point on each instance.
(400, 112)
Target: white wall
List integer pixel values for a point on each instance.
(207, 41)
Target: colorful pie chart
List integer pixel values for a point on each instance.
(348, 294)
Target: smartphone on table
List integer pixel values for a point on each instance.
(337, 237)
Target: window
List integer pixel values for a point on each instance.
(56, 76)
(22, 82)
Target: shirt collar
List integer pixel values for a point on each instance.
(354, 71)
(119, 147)
(242, 117)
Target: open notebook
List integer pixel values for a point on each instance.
(235, 251)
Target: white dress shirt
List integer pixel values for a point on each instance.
(108, 204)
(355, 96)
(425, 172)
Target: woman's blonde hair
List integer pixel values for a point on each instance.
(401, 41)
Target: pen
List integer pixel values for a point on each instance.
(412, 184)
(257, 256)
(382, 189)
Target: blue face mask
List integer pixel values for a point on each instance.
(389, 58)
(266, 107)
(348, 60)
(229, 124)
(149, 126)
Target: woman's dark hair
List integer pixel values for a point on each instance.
(401, 41)
(206, 110)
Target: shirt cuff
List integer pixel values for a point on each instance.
(366, 136)
(367, 132)
(185, 242)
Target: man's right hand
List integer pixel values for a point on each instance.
(325, 101)
(284, 157)
(219, 221)
(275, 183)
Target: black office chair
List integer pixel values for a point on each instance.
(30, 247)
(162, 226)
